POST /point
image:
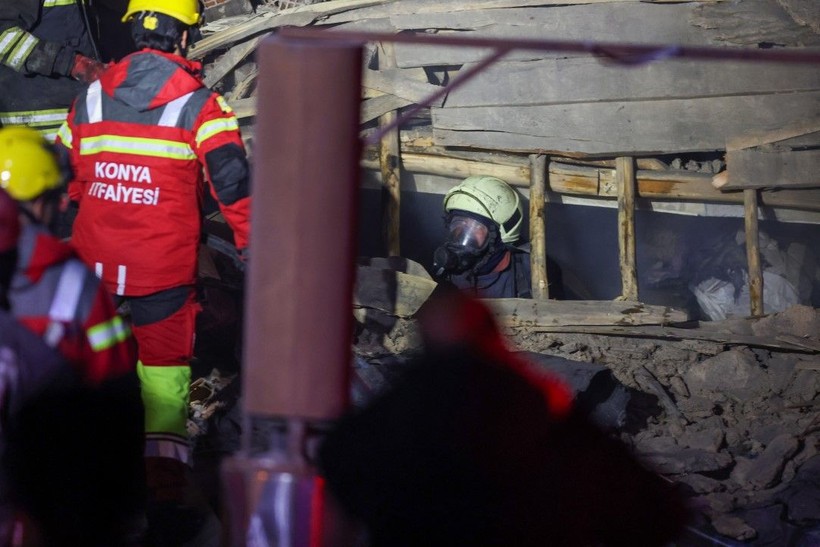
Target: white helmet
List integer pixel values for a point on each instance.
(492, 198)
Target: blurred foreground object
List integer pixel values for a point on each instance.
(470, 447)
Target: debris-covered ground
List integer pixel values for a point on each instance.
(730, 414)
(726, 409)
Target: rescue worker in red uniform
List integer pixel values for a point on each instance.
(144, 140)
(88, 404)
(47, 56)
(27, 365)
(52, 292)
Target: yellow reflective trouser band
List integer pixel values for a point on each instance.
(165, 396)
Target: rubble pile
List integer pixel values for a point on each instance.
(730, 414)
(736, 425)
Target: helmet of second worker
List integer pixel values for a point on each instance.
(29, 166)
(186, 11)
(491, 198)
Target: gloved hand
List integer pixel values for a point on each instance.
(86, 69)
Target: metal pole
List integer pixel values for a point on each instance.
(299, 285)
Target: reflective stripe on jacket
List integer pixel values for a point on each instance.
(33, 35)
(61, 300)
(142, 141)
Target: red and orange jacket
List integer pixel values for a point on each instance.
(58, 298)
(143, 140)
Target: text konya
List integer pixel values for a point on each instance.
(119, 192)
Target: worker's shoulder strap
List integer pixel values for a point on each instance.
(170, 114)
(66, 299)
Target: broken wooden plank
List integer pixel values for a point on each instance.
(676, 333)
(618, 128)
(394, 82)
(549, 81)
(377, 106)
(772, 168)
(229, 61)
(803, 126)
(299, 16)
(753, 22)
(425, 7)
(391, 291)
(520, 312)
(643, 23)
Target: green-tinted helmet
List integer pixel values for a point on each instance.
(491, 198)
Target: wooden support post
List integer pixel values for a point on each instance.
(625, 177)
(286, 372)
(390, 164)
(753, 252)
(538, 252)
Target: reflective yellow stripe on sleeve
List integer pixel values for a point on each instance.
(8, 38)
(35, 118)
(138, 146)
(214, 127)
(17, 56)
(106, 335)
(55, 3)
(66, 137)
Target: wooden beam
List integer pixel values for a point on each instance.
(229, 61)
(538, 252)
(395, 82)
(561, 129)
(753, 253)
(299, 16)
(593, 181)
(463, 168)
(587, 79)
(672, 185)
(527, 312)
(788, 131)
(721, 335)
(390, 166)
(625, 175)
(772, 167)
(379, 106)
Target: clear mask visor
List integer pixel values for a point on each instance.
(467, 232)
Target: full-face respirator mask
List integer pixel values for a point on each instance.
(470, 240)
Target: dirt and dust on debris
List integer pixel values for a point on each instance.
(727, 410)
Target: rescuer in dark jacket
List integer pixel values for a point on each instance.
(47, 56)
(483, 217)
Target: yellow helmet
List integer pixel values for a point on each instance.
(186, 11)
(28, 164)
